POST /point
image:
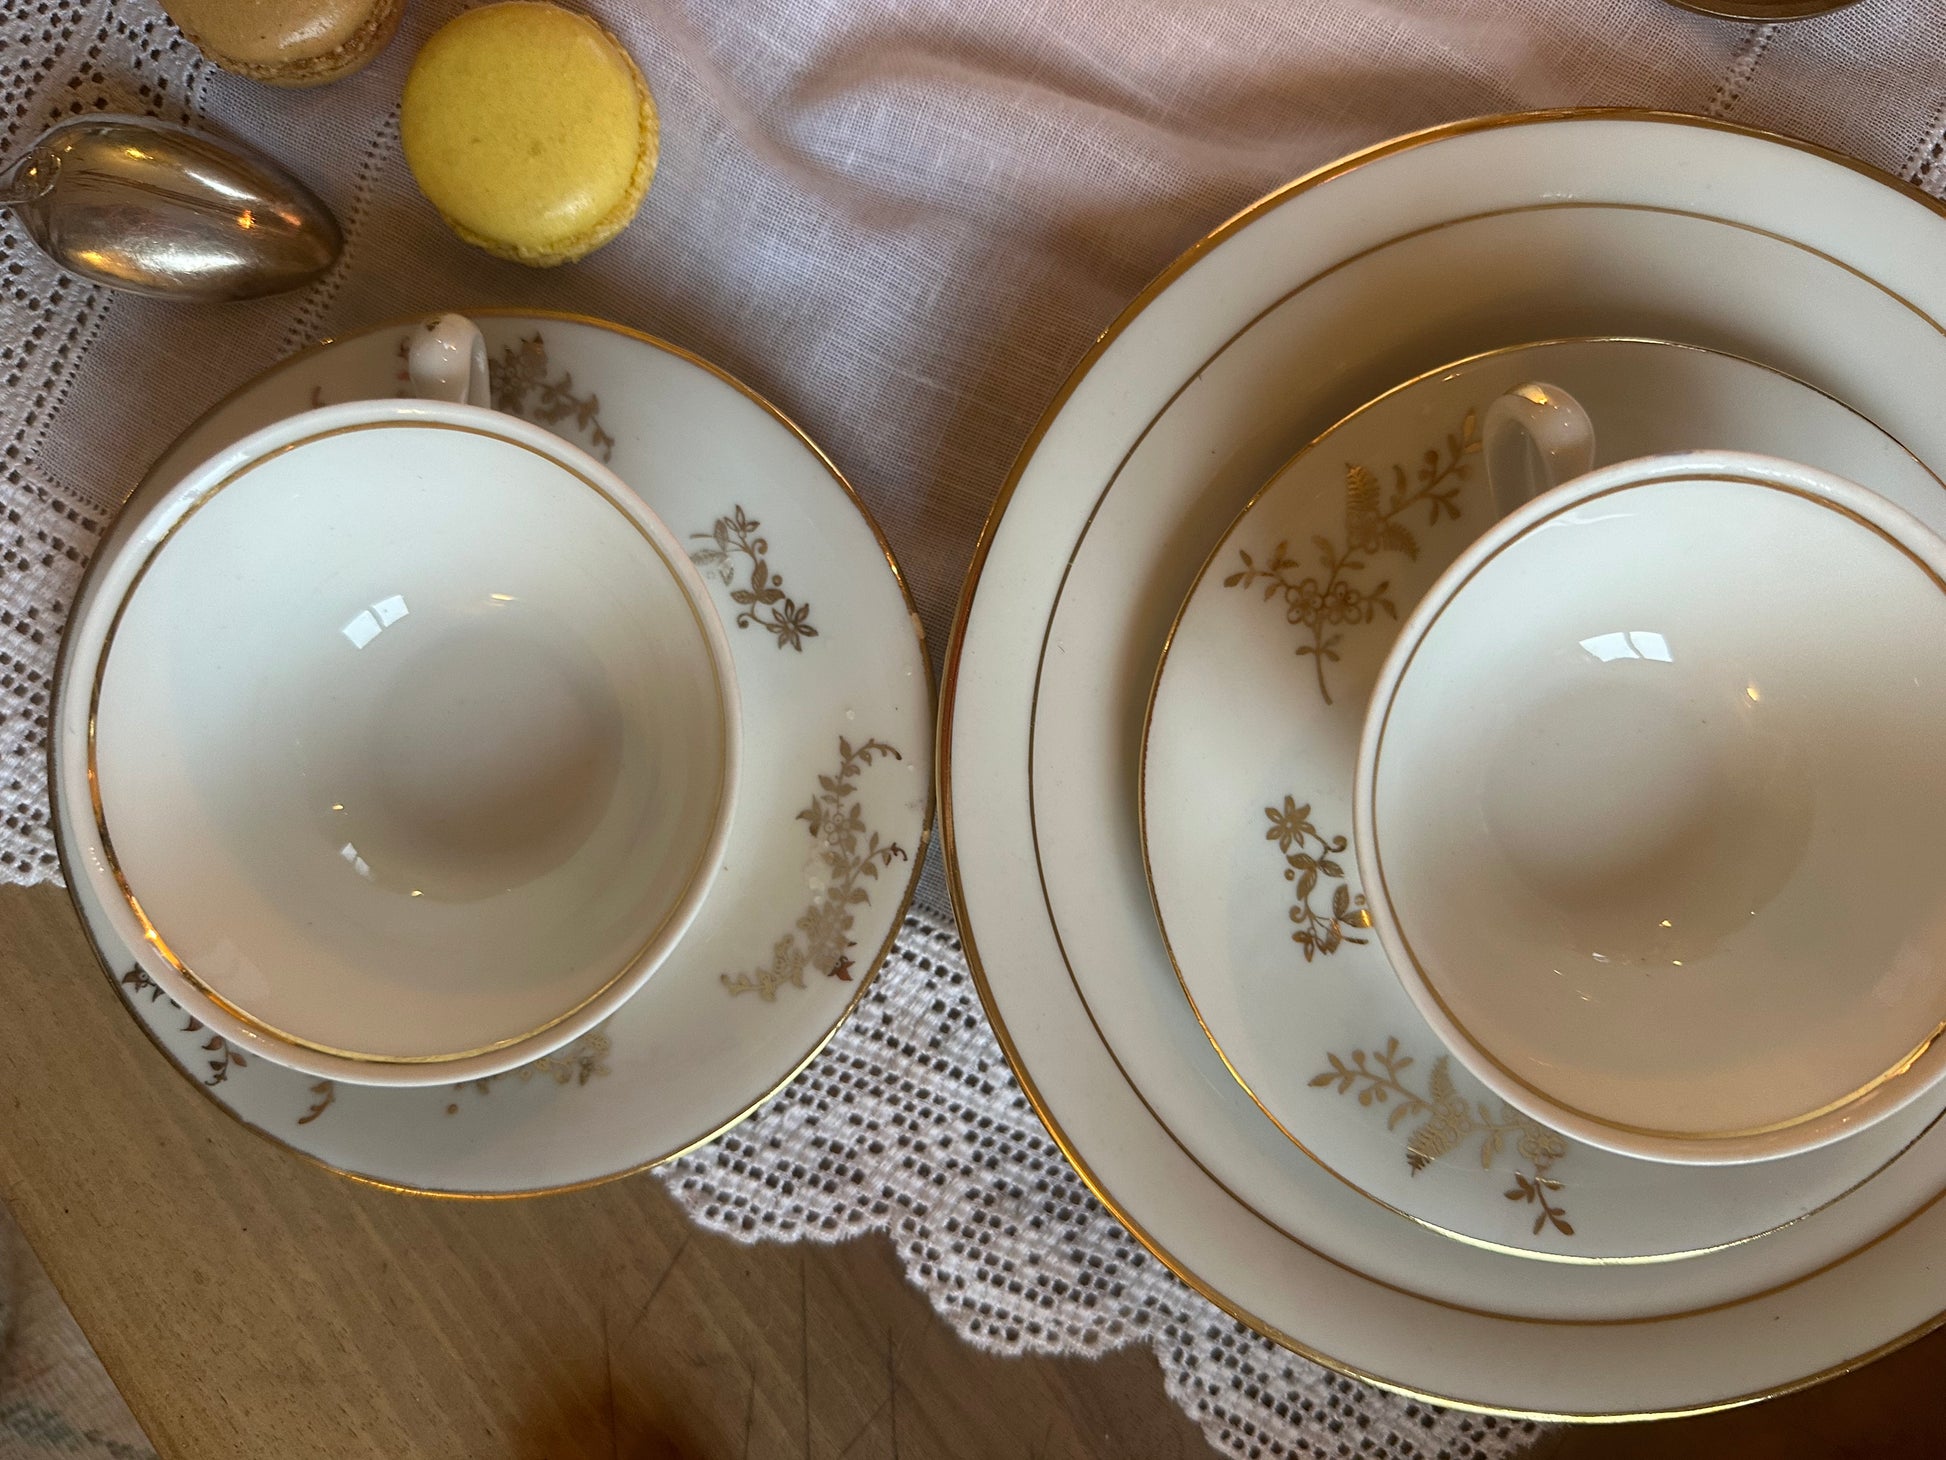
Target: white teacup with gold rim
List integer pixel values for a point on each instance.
(414, 741)
(1647, 804)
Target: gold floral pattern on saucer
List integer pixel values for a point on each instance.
(850, 852)
(1230, 732)
(401, 377)
(684, 1061)
(583, 1060)
(1332, 602)
(763, 601)
(579, 1062)
(1450, 1122)
(1317, 933)
(223, 1056)
(521, 387)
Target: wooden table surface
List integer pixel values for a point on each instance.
(249, 1304)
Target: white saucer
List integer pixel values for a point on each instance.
(1248, 761)
(834, 793)
(1371, 271)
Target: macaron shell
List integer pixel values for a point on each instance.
(530, 129)
(291, 43)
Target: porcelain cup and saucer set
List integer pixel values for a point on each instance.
(1621, 761)
(1465, 657)
(492, 754)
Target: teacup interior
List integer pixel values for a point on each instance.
(1657, 807)
(409, 740)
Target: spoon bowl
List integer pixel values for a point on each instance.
(149, 206)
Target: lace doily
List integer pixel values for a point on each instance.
(911, 1123)
(56, 60)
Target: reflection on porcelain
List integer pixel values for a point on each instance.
(447, 360)
(680, 1060)
(1689, 768)
(1536, 436)
(1431, 247)
(1232, 716)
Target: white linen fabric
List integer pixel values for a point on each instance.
(903, 221)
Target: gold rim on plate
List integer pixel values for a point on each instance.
(943, 770)
(1142, 809)
(870, 969)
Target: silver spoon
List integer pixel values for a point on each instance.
(150, 206)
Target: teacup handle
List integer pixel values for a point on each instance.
(1535, 437)
(447, 361)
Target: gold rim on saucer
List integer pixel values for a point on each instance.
(1155, 900)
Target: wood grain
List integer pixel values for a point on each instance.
(250, 1304)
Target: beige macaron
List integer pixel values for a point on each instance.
(531, 130)
(288, 42)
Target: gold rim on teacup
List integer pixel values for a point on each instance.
(1433, 982)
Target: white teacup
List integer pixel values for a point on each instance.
(1648, 799)
(414, 742)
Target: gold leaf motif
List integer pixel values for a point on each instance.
(223, 1056)
(401, 375)
(1326, 602)
(327, 1094)
(1310, 856)
(576, 1064)
(763, 601)
(1447, 1126)
(852, 854)
(1449, 1123)
(580, 1062)
(1363, 517)
(141, 983)
(519, 385)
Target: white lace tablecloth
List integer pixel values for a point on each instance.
(904, 221)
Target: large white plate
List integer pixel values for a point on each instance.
(833, 796)
(1425, 249)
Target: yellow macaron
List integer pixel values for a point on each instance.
(288, 42)
(531, 130)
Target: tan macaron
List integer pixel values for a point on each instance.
(531, 130)
(288, 42)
